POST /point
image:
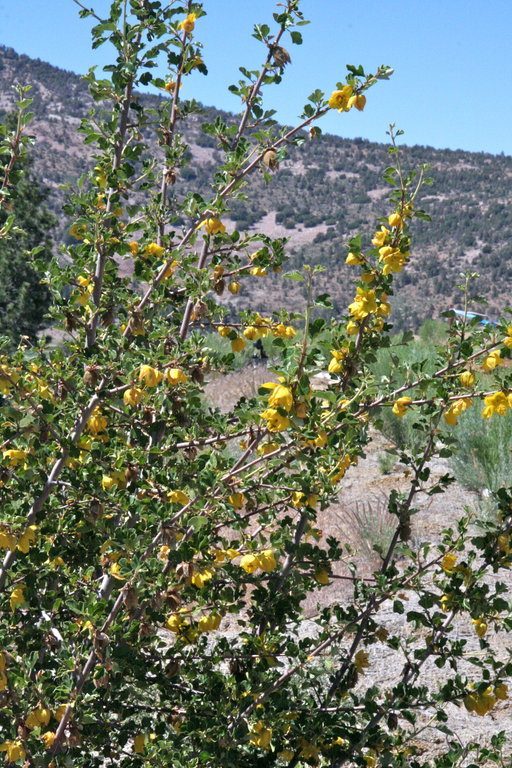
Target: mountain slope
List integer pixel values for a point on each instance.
(322, 194)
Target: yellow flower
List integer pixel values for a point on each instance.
(335, 366)
(8, 541)
(153, 249)
(495, 404)
(492, 361)
(234, 287)
(249, 563)
(7, 379)
(17, 597)
(209, 623)
(175, 622)
(97, 423)
(395, 220)
(223, 330)
(467, 378)
(265, 448)
(213, 226)
(199, 578)
(261, 735)
(15, 457)
(188, 23)
(134, 247)
(322, 575)
(169, 269)
(448, 563)
(400, 406)
(319, 441)
(364, 303)
(38, 717)
(133, 396)
(267, 561)
(454, 410)
(354, 259)
(358, 101)
(352, 328)
(343, 465)
(392, 258)
(339, 99)
(59, 712)
(139, 744)
(27, 538)
(178, 497)
(252, 333)
(175, 376)
(238, 344)
(48, 738)
(281, 397)
(480, 626)
(275, 421)
(298, 499)
(258, 271)
(237, 500)
(13, 751)
(380, 237)
(115, 571)
(361, 661)
(150, 376)
(117, 479)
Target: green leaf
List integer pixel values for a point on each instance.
(294, 276)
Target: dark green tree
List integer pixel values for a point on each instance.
(23, 298)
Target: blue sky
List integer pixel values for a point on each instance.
(452, 61)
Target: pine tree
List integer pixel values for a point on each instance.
(23, 299)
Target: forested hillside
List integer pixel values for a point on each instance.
(318, 198)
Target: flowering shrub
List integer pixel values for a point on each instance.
(157, 551)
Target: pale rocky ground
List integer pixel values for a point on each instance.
(362, 501)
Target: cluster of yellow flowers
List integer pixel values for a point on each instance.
(179, 625)
(37, 718)
(14, 751)
(452, 413)
(150, 377)
(260, 735)
(280, 399)
(300, 499)
(97, 423)
(116, 479)
(85, 288)
(15, 457)
(21, 543)
(344, 99)
(496, 404)
(482, 703)
(366, 303)
(336, 362)
(265, 560)
(260, 328)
